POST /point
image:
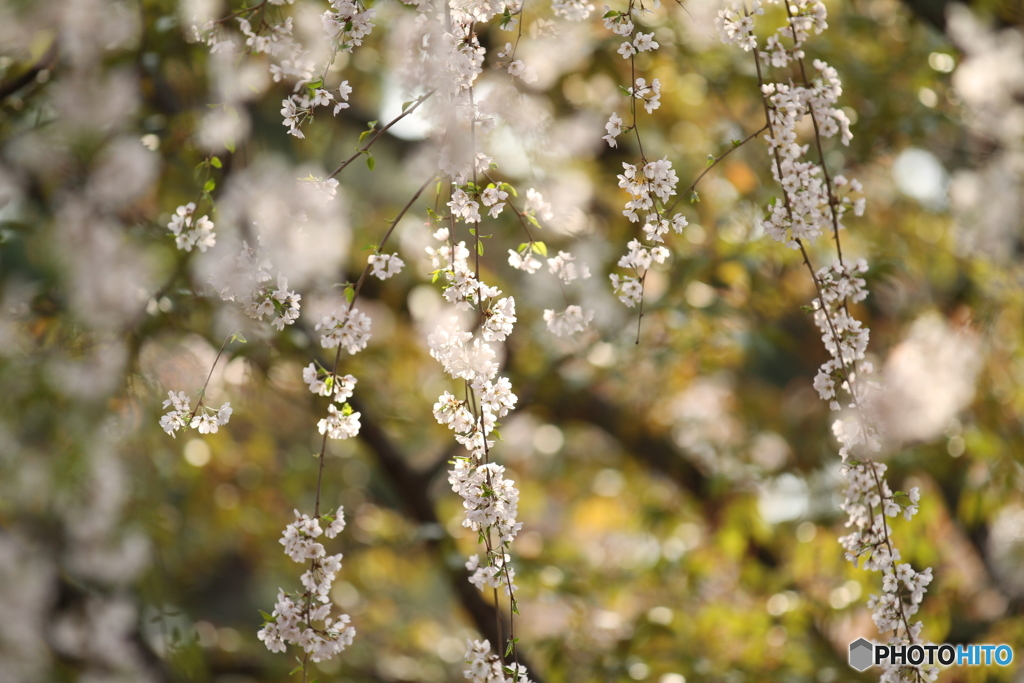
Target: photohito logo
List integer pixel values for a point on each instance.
(861, 654)
(864, 653)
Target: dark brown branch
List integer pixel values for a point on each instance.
(47, 61)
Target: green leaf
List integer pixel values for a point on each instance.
(694, 198)
(522, 246)
(296, 669)
(406, 105)
(237, 336)
(710, 161)
(370, 247)
(625, 90)
(230, 146)
(434, 276)
(350, 293)
(736, 143)
(540, 248)
(209, 185)
(215, 162)
(266, 616)
(364, 135)
(609, 14)
(370, 163)
(480, 248)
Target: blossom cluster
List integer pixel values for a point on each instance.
(248, 281)
(568, 322)
(844, 337)
(351, 331)
(516, 67)
(486, 667)
(190, 233)
(463, 288)
(565, 268)
(653, 183)
(340, 423)
(203, 419)
(345, 25)
(649, 188)
(868, 498)
(300, 105)
(811, 205)
(384, 266)
(810, 200)
(489, 499)
(491, 502)
(294, 617)
(304, 619)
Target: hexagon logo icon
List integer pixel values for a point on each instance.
(861, 654)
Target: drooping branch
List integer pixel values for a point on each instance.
(411, 487)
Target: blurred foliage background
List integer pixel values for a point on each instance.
(679, 496)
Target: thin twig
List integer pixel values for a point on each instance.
(714, 163)
(362, 150)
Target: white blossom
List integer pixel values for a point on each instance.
(570, 321)
(524, 260)
(292, 621)
(464, 207)
(339, 424)
(203, 419)
(385, 265)
(564, 267)
(495, 199)
(188, 234)
(351, 331)
(613, 129)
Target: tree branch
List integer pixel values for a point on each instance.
(411, 488)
